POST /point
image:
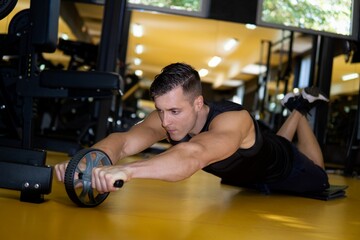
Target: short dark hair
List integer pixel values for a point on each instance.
(174, 75)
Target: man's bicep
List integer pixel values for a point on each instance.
(217, 145)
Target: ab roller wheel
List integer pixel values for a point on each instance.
(78, 176)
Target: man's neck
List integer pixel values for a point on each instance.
(202, 117)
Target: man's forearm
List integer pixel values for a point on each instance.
(172, 165)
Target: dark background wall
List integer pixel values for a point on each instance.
(241, 11)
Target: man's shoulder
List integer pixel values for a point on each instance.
(225, 105)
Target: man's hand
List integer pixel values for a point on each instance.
(103, 178)
(60, 170)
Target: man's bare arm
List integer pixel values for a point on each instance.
(138, 138)
(227, 133)
(123, 144)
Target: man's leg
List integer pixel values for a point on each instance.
(297, 123)
(307, 142)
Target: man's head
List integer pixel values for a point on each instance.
(175, 75)
(178, 99)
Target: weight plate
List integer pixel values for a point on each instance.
(6, 6)
(20, 22)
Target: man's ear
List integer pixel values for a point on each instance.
(199, 103)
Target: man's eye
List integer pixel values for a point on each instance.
(175, 112)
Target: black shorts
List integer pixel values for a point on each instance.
(305, 176)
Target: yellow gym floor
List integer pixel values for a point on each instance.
(197, 208)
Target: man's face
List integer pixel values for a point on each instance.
(178, 115)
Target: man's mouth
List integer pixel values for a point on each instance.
(170, 131)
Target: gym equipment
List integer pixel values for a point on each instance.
(33, 31)
(78, 177)
(22, 84)
(81, 53)
(22, 167)
(333, 192)
(353, 151)
(6, 6)
(25, 170)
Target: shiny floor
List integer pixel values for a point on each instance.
(197, 208)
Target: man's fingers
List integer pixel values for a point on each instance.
(103, 180)
(60, 171)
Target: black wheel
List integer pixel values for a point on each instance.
(78, 177)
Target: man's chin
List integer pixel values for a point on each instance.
(175, 138)
(179, 138)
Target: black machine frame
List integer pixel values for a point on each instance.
(32, 32)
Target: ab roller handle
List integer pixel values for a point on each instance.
(78, 177)
(118, 183)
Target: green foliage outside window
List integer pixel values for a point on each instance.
(321, 15)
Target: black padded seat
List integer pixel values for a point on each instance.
(91, 80)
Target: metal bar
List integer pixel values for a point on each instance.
(112, 28)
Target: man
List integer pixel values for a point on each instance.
(220, 138)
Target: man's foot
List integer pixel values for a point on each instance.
(304, 101)
(310, 97)
(290, 101)
(312, 94)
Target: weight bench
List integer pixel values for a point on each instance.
(70, 83)
(32, 31)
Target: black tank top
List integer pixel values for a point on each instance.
(268, 160)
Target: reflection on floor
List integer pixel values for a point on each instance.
(197, 208)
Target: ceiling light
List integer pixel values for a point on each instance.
(250, 26)
(138, 30)
(233, 83)
(350, 76)
(137, 61)
(254, 69)
(214, 61)
(139, 73)
(139, 49)
(230, 44)
(203, 72)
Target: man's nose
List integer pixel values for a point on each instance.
(165, 120)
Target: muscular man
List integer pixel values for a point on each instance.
(220, 138)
